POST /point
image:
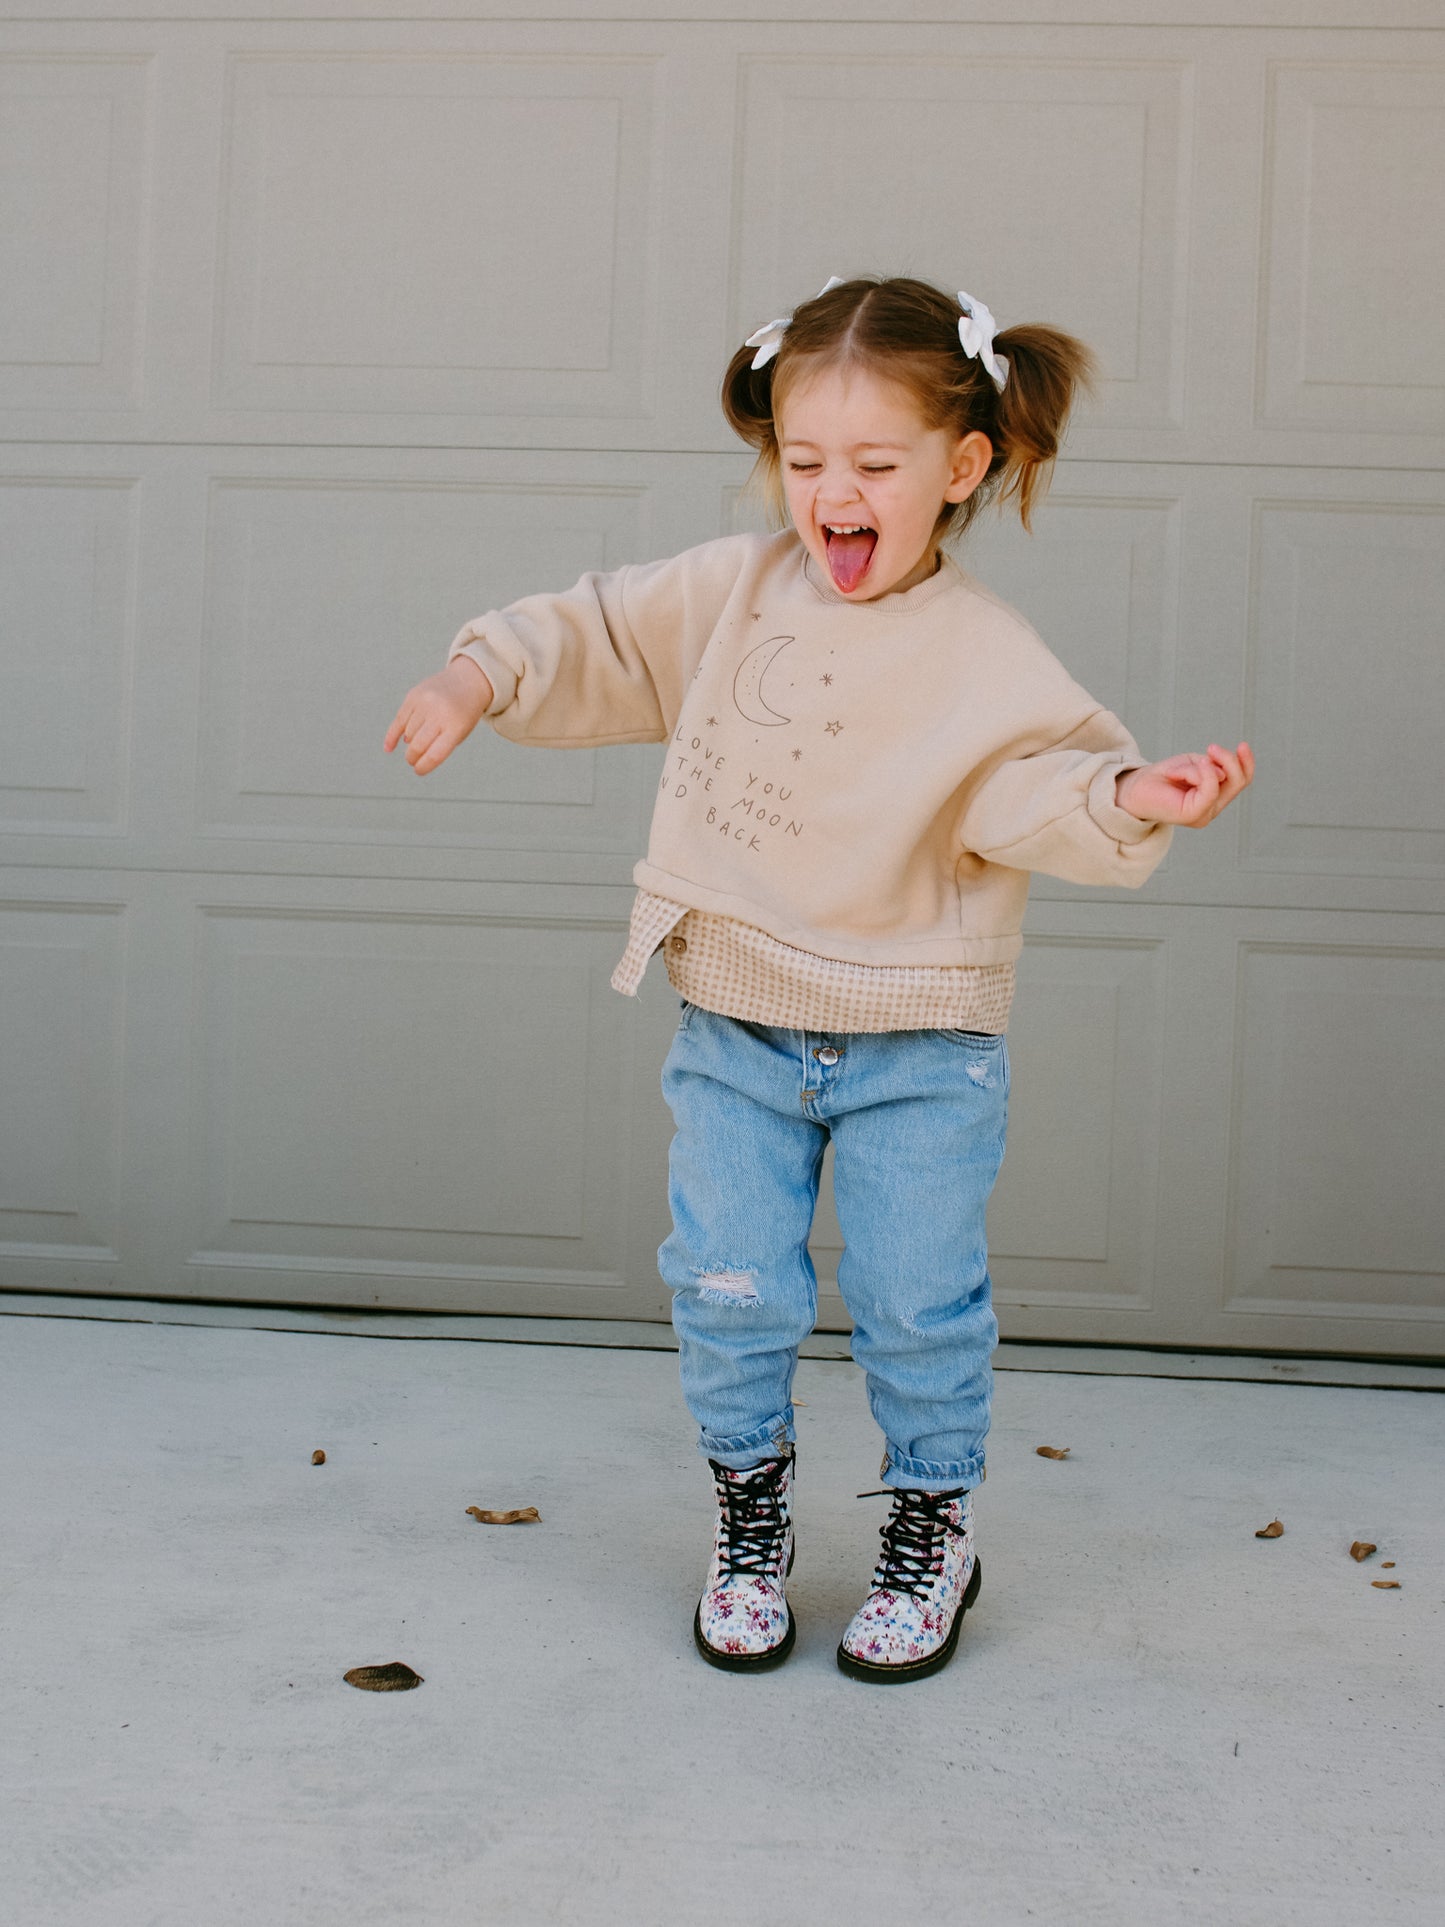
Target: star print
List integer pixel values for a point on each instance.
(797, 753)
(712, 722)
(832, 728)
(756, 616)
(825, 679)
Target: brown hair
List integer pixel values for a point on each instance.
(907, 331)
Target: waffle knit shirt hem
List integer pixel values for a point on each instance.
(731, 968)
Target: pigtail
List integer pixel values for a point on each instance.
(747, 398)
(1046, 371)
(747, 402)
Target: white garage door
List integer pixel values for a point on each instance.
(322, 332)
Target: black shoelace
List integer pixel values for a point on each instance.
(755, 1518)
(913, 1542)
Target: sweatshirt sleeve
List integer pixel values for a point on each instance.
(606, 661)
(1053, 810)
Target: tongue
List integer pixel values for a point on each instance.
(849, 556)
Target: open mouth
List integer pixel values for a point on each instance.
(850, 550)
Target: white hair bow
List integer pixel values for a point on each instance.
(976, 330)
(768, 340)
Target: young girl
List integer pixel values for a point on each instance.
(868, 754)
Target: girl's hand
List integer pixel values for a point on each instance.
(1190, 789)
(440, 713)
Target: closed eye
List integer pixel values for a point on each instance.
(865, 468)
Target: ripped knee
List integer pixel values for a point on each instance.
(727, 1285)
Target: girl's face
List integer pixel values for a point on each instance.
(866, 478)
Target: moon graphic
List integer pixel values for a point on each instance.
(748, 682)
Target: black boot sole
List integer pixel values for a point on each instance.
(918, 1668)
(745, 1662)
(749, 1662)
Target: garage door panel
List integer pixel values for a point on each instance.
(1344, 654)
(377, 208)
(1100, 582)
(451, 1080)
(73, 187)
(315, 593)
(1072, 1218)
(1339, 1116)
(60, 1006)
(1104, 232)
(67, 584)
(1356, 246)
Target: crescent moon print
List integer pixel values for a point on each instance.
(748, 682)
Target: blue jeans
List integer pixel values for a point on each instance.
(917, 1119)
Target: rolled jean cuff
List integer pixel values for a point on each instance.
(930, 1475)
(749, 1448)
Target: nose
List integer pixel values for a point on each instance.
(837, 492)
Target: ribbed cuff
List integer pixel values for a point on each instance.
(1120, 824)
(472, 642)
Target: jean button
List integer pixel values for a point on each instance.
(677, 945)
(827, 1054)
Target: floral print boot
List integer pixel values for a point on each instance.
(925, 1581)
(743, 1620)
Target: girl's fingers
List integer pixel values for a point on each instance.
(1238, 767)
(1228, 764)
(398, 728)
(437, 752)
(1201, 800)
(1205, 773)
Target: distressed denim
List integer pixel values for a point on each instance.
(917, 1119)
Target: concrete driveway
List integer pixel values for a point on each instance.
(1154, 1716)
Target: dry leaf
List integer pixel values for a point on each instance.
(1385, 1564)
(1052, 1451)
(393, 1678)
(523, 1515)
(1361, 1549)
(1386, 1585)
(318, 1457)
(1274, 1530)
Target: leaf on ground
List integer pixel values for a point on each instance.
(523, 1515)
(318, 1457)
(1053, 1451)
(1386, 1585)
(1385, 1564)
(396, 1677)
(1274, 1530)
(1362, 1548)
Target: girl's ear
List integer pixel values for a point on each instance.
(971, 461)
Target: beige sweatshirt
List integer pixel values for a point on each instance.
(870, 782)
